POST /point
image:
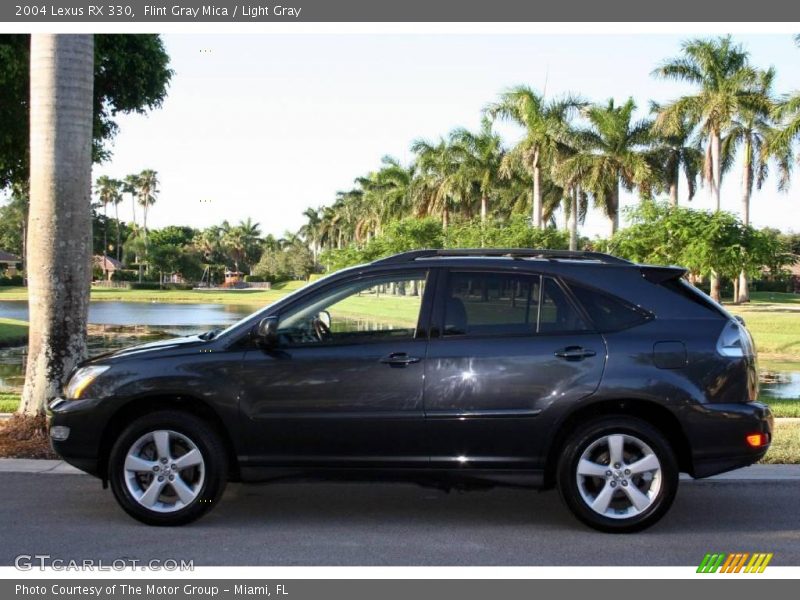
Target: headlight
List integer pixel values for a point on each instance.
(81, 380)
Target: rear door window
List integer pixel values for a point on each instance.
(607, 312)
(498, 304)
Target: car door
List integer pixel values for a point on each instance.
(509, 345)
(347, 392)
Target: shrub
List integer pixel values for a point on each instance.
(145, 285)
(254, 279)
(178, 286)
(12, 280)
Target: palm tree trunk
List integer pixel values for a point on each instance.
(716, 169)
(60, 227)
(716, 177)
(743, 292)
(133, 208)
(445, 217)
(484, 207)
(673, 184)
(613, 209)
(116, 217)
(105, 239)
(573, 219)
(536, 217)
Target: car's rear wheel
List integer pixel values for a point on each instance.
(168, 468)
(617, 474)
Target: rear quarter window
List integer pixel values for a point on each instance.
(607, 312)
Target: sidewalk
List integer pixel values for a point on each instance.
(751, 473)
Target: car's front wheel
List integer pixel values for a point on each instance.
(617, 474)
(168, 468)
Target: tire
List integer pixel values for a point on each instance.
(193, 476)
(617, 500)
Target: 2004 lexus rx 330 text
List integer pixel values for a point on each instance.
(574, 370)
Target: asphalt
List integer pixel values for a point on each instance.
(70, 517)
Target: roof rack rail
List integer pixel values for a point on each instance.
(413, 255)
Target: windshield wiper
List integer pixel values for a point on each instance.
(209, 335)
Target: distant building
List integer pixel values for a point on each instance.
(10, 264)
(795, 276)
(106, 264)
(233, 278)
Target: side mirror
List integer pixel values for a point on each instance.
(266, 332)
(325, 318)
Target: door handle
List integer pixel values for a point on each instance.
(399, 359)
(574, 353)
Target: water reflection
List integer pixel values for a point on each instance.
(780, 384)
(147, 313)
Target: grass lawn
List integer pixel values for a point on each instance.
(12, 330)
(783, 407)
(774, 298)
(9, 402)
(777, 335)
(785, 448)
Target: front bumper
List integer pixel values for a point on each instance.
(718, 432)
(81, 447)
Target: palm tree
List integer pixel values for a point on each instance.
(60, 228)
(311, 230)
(720, 70)
(752, 132)
(614, 156)
(131, 186)
(108, 192)
(436, 188)
(480, 156)
(672, 152)
(544, 123)
(116, 199)
(387, 192)
(571, 171)
(240, 241)
(147, 194)
(725, 80)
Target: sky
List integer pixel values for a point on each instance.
(266, 125)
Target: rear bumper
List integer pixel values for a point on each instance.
(81, 448)
(717, 433)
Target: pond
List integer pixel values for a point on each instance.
(780, 384)
(115, 325)
(201, 316)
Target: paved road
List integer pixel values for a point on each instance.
(71, 517)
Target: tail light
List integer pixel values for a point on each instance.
(735, 341)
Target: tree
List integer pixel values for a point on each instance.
(572, 172)
(614, 156)
(241, 242)
(108, 192)
(147, 194)
(130, 185)
(480, 155)
(672, 152)
(14, 223)
(720, 70)
(59, 267)
(544, 123)
(131, 75)
(436, 188)
(752, 132)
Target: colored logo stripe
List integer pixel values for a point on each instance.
(735, 562)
